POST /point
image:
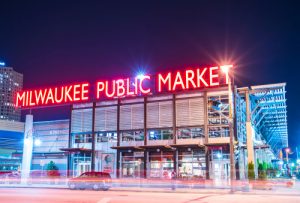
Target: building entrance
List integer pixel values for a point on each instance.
(80, 164)
(132, 165)
(161, 164)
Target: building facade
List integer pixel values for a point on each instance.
(187, 132)
(10, 83)
(11, 134)
(49, 138)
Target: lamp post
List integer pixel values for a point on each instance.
(287, 151)
(226, 69)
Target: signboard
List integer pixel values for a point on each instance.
(189, 79)
(107, 162)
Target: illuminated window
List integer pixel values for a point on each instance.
(190, 133)
(128, 136)
(161, 134)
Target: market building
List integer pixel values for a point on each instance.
(195, 122)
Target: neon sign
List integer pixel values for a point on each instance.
(193, 78)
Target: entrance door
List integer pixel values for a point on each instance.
(83, 167)
(220, 170)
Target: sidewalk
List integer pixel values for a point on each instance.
(275, 191)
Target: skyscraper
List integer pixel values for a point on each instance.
(10, 82)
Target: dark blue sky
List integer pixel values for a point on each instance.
(55, 42)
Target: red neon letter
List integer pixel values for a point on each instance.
(226, 69)
(178, 81)
(163, 80)
(58, 100)
(50, 96)
(128, 85)
(85, 91)
(31, 103)
(100, 88)
(200, 77)
(40, 96)
(76, 93)
(67, 93)
(213, 75)
(141, 85)
(113, 89)
(20, 99)
(189, 78)
(120, 88)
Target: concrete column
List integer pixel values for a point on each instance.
(250, 148)
(249, 131)
(27, 149)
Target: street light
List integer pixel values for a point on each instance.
(287, 151)
(37, 142)
(226, 69)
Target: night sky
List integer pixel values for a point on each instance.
(57, 42)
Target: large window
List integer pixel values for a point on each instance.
(161, 134)
(215, 132)
(191, 164)
(218, 109)
(128, 136)
(190, 133)
(106, 136)
(161, 164)
(83, 138)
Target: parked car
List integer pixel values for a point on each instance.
(91, 180)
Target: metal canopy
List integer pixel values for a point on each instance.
(269, 114)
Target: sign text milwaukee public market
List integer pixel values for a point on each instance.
(189, 79)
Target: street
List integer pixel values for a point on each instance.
(32, 195)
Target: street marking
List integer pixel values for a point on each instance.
(104, 200)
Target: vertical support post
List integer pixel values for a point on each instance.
(93, 136)
(69, 143)
(207, 159)
(205, 98)
(146, 159)
(249, 130)
(237, 163)
(27, 149)
(231, 130)
(145, 137)
(118, 138)
(174, 119)
(175, 157)
(118, 163)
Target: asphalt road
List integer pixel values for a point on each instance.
(36, 195)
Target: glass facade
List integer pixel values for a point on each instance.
(161, 164)
(152, 136)
(191, 164)
(190, 133)
(160, 134)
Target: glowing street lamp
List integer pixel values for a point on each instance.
(287, 151)
(37, 142)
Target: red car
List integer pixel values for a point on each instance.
(91, 180)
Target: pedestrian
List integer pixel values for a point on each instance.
(173, 180)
